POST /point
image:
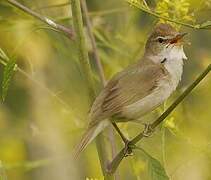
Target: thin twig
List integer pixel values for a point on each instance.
(163, 139)
(29, 165)
(163, 146)
(103, 154)
(120, 156)
(93, 13)
(97, 13)
(82, 49)
(145, 3)
(53, 6)
(100, 71)
(93, 42)
(53, 94)
(66, 30)
(108, 11)
(150, 12)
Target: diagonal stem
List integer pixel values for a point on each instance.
(120, 156)
(58, 27)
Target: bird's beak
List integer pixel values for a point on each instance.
(177, 38)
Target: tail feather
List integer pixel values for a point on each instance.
(88, 136)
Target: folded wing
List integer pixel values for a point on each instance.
(125, 88)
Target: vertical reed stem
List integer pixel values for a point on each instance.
(84, 60)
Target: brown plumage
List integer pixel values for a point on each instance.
(138, 89)
(122, 89)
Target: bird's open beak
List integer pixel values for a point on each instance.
(177, 38)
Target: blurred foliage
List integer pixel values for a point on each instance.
(177, 10)
(46, 108)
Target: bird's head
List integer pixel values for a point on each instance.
(164, 39)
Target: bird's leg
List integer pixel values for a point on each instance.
(124, 139)
(128, 149)
(148, 130)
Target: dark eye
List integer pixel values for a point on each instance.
(160, 40)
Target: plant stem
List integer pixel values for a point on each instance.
(99, 68)
(82, 49)
(54, 6)
(150, 12)
(163, 146)
(163, 139)
(103, 80)
(93, 42)
(120, 156)
(83, 58)
(58, 27)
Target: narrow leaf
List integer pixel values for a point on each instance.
(206, 24)
(7, 75)
(155, 169)
(3, 55)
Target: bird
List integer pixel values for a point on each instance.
(140, 88)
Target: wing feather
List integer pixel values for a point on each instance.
(125, 88)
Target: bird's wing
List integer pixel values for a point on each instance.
(125, 88)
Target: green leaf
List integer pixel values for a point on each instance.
(3, 56)
(7, 74)
(155, 170)
(206, 24)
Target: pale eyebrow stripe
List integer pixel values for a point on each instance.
(164, 38)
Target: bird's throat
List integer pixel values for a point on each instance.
(174, 64)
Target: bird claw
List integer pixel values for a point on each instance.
(128, 149)
(148, 130)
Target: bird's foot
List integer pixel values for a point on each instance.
(128, 150)
(148, 130)
(128, 146)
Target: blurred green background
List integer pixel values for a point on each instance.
(44, 114)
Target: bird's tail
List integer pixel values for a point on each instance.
(88, 136)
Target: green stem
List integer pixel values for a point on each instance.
(93, 42)
(3, 62)
(58, 27)
(163, 144)
(146, 10)
(53, 6)
(120, 156)
(82, 49)
(103, 151)
(84, 60)
(163, 139)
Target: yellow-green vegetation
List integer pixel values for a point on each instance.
(177, 10)
(52, 65)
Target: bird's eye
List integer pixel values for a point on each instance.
(160, 40)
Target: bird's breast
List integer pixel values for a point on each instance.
(150, 102)
(174, 66)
